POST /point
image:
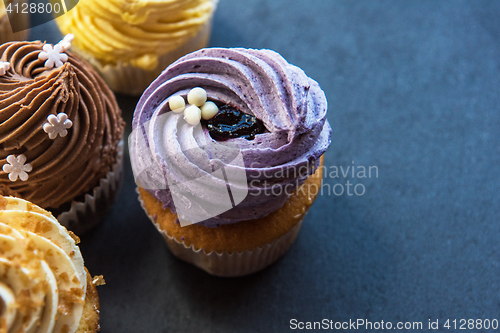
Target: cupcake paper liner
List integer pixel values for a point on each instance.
(6, 34)
(228, 264)
(83, 216)
(127, 79)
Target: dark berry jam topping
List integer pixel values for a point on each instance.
(232, 123)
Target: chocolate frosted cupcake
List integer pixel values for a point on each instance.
(225, 147)
(60, 132)
(45, 286)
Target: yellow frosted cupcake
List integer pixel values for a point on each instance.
(44, 285)
(131, 41)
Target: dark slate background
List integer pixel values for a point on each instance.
(413, 89)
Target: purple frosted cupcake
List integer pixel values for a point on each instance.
(225, 148)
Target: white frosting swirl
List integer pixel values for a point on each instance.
(42, 276)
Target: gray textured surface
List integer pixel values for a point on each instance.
(413, 88)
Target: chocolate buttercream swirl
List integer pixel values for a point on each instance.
(261, 83)
(65, 167)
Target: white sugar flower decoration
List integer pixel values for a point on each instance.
(57, 125)
(54, 55)
(4, 67)
(66, 41)
(17, 167)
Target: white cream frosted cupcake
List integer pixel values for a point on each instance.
(44, 285)
(130, 42)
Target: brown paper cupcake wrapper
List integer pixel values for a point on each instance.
(127, 79)
(6, 34)
(82, 216)
(229, 264)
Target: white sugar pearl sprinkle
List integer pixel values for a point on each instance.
(197, 96)
(177, 104)
(209, 110)
(192, 115)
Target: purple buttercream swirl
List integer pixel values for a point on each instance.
(291, 105)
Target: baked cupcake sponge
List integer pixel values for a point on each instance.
(91, 309)
(246, 235)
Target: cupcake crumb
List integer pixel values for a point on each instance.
(98, 280)
(74, 236)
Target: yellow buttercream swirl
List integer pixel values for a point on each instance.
(134, 31)
(42, 276)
